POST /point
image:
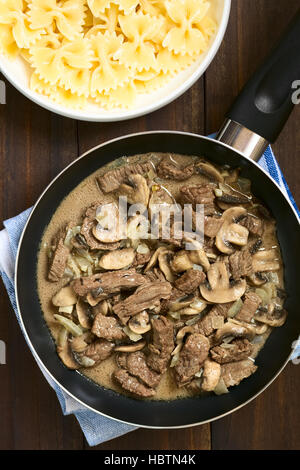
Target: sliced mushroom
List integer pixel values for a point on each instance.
(84, 314)
(257, 279)
(209, 171)
(231, 232)
(163, 260)
(181, 262)
(220, 290)
(261, 329)
(93, 301)
(131, 347)
(108, 229)
(65, 297)
(211, 375)
(236, 330)
(117, 259)
(140, 324)
(137, 191)
(266, 260)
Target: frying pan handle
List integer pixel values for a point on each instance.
(262, 108)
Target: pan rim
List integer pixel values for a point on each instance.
(28, 340)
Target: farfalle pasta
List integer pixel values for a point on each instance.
(104, 51)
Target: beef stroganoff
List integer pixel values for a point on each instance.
(180, 314)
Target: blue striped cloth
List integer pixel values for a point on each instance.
(97, 428)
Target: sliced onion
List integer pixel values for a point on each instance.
(82, 263)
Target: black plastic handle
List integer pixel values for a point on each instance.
(265, 103)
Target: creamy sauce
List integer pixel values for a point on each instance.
(71, 209)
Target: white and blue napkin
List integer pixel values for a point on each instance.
(97, 428)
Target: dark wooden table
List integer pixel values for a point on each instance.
(35, 145)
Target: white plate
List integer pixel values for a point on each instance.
(18, 73)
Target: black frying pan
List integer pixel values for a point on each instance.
(261, 111)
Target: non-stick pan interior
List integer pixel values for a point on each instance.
(179, 412)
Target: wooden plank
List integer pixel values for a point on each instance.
(267, 422)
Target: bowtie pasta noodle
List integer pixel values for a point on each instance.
(104, 51)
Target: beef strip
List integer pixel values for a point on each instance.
(162, 344)
(146, 297)
(86, 231)
(191, 358)
(132, 384)
(111, 180)
(239, 349)
(99, 350)
(212, 226)
(110, 282)
(253, 224)
(107, 328)
(199, 194)
(168, 170)
(135, 363)
(251, 303)
(190, 280)
(234, 372)
(240, 264)
(58, 261)
(209, 323)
